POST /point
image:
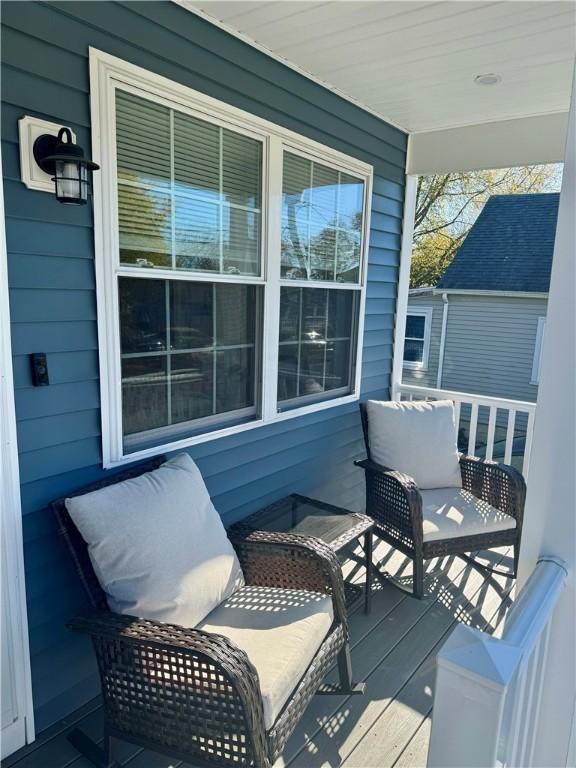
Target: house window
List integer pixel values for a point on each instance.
(230, 257)
(317, 344)
(322, 213)
(417, 338)
(537, 360)
(189, 355)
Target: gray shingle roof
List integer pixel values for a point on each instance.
(509, 248)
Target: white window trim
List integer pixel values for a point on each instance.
(106, 72)
(425, 312)
(538, 345)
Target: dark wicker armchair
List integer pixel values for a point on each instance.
(394, 502)
(193, 695)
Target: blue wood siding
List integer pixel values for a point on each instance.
(53, 303)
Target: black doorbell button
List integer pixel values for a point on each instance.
(40, 369)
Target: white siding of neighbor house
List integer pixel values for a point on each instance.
(489, 348)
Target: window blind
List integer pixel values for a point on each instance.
(189, 191)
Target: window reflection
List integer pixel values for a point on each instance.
(188, 350)
(321, 222)
(316, 342)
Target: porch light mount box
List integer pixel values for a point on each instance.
(30, 128)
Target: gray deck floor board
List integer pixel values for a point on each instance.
(393, 651)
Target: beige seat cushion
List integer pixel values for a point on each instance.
(280, 630)
(452, 512)
(417, 438)
(157, 545)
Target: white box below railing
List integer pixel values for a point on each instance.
(498, 410)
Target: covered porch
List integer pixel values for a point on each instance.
(70, 434)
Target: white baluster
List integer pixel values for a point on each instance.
(457, 413)
(491, 432)
(473, 427)
(528, 446)
(510, 435)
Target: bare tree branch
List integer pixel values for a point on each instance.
(447, 206)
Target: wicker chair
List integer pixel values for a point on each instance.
(192, 695)
(394, 502)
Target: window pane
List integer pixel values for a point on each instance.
(314, 314)
(241, 169)
(290, 314)
(415, 326)
(340, 314)
(295, 213)
(413, 351)
(191, 383)
(204, 364)
(311, 372)
(142, 315)
(145, 226)
(197, 233)
(144, 393)
(288, 371)
(235, 386)
(351, 203)
(321, 222)
(235, 314)
(196, 156)
(189, 192)
(324, 195)
(191, 315)
(240, 241)
(320, 358)
(337, 364)
(143, 140)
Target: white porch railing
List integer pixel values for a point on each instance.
(488, 690)
(497, 415)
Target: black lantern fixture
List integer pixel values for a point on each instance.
(65, 161)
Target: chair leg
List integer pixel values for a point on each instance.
(345, 672)
(100, 756)
(418, 577)
(347, 687)
(516, 560)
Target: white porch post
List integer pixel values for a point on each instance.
(549, 527)
(410, 193)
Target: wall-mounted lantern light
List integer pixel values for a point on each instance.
(65, 161)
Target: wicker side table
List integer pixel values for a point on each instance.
(335, 526)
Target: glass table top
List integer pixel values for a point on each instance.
(298, 514)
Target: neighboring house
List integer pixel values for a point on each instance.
(481, 328)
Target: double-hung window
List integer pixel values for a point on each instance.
(322, 214)
(417, 338)
(230, 266)
(189, 203)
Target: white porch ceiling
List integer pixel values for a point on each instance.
(413, 63)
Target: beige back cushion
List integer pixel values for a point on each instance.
(417, 438)
(158, 546)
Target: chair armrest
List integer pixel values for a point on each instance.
(500, 485)
(208, 684)
(394, 502)
(291, 561)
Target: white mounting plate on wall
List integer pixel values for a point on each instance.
(30, 172)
